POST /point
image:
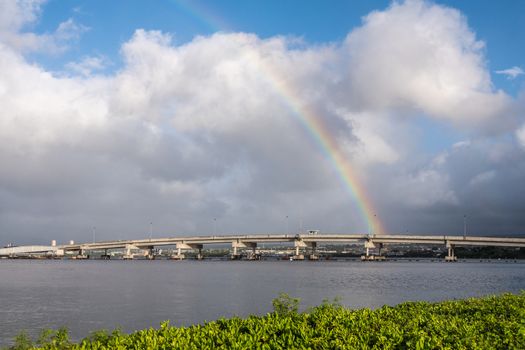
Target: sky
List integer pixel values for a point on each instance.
(227, 117)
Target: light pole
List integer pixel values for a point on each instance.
(464, 226)
(301, 228)
(371, 226)
(214, 226)
(287, 226)
(150, 230)
(94, 232)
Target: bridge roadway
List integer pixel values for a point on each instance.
(301, 242)
(304, 242)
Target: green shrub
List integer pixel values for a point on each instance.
(285, 305)
(496, 322)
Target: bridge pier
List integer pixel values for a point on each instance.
(313, 249)
(149, 253)
(193, 246)
(451, 257)
(127, 255)
(81, 254)
(105, 256)
(240, 244)
(235, 255)
(199, 254)
(369, 244)
(298, 243)
(254, 255)
(179, 255)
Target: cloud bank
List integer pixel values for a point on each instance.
(186, 136)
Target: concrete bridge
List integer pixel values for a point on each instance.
(304, 244)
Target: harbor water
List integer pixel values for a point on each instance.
(90, 295)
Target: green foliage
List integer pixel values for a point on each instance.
(285, 305)
(496, 322)
(22, 342)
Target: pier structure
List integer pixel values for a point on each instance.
(451, 257)
(304, 245)
(239, 244)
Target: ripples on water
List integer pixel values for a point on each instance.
(90, 295)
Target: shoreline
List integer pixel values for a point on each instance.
(485, 322)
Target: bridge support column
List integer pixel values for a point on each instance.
(450, 256)
(239, 244)
(195, 246)
(298, 243)
(179, 255)
(149, 253)
(105, 256)
(128, 255)
(254, 255)
(199, 254)
(313, 250)
(81, 254)
(369, 244)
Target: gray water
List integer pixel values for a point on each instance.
(89, 295)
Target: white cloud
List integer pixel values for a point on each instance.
(14, 15)
(88, 66)
(17, 15)
(461, 144)
(211, 128)
(374, 134)
(69, 30)
(511, 73)
(421, 57)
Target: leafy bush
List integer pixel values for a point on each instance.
(285, 305)
(496, 322)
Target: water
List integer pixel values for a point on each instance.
(90, 295)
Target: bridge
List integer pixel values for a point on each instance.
(304, 244)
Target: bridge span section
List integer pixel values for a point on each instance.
(303, 244)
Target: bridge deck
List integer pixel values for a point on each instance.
(254, 239)
(319, 238)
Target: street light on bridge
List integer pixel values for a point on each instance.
(371, 226)
(464, 226)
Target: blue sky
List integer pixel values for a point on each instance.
(111, 23)
(318, 22)
(122, 113)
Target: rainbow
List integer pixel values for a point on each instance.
(202, 15)
(309, 120)
(312, 123)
